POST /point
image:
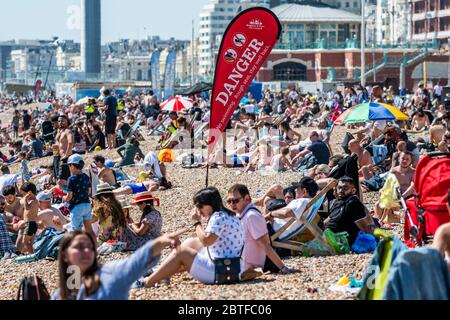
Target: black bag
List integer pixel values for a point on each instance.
(163, 182)
(307, 163)
(276, 204)
(32, 288)
(226, 270)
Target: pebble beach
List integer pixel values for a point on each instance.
(318, 272)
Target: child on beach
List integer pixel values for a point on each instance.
(24, 170)
(78, 191)
(280, 162)
(30, 213)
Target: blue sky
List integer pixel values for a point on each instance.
(33, 19)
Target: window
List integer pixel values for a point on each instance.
(419, 27)
(432, 6)
(445, 4)
(343, 32)
(445, 24)
(419, 6)
(347, 5)
(289, 71)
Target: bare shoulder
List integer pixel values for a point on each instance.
(395, 170)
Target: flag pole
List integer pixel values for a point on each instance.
(207, 174)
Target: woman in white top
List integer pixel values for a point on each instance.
(223, 238)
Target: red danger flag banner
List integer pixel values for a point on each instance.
(246, 44)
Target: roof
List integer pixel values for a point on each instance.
(308, 13)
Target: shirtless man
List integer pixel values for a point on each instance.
(14, 208)
(30, 216)
(48, 216)
(64, 139)
(405, 176)
(401, 147)
(105, 174)
(365, 164)
(437, 132)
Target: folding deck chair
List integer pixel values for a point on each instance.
(161, 124)
(281, 240)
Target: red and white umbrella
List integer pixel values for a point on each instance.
(177, 104)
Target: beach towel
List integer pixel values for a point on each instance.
(6, 244)
(388, 194)
(46, 245)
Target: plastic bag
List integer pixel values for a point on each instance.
(364, 243)
(109, 247)
(314, 248)
(338, 241)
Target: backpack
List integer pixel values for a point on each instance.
(307, 163)
(32, 288)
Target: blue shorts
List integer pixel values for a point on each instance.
(137, 188)
(78, 214)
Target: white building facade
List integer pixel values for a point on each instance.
(393, 21)
(214, 19)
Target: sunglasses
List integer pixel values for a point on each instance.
(345, 188)
(234, 201)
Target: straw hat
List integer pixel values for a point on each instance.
(104, 188)
(125, 204)
(143, 197)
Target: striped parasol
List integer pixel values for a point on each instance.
(177, 104)
(371, 111)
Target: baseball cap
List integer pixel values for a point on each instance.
(110, 163)
(44, 197)
(75, 159)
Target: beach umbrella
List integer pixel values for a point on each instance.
(372, 111)
(177, 104)
(341, 118)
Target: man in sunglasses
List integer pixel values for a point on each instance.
(346, 210)
(258, 251)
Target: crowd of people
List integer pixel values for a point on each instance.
(264, 137)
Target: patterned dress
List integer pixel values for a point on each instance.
(152, 218)
(107, 229)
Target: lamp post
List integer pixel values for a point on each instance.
(373, 60)
(427, 29)
(363, 44)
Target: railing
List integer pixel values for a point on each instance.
(343, 74)
(354, 44)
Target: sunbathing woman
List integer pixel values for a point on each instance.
(135, 188)
(222, 238)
